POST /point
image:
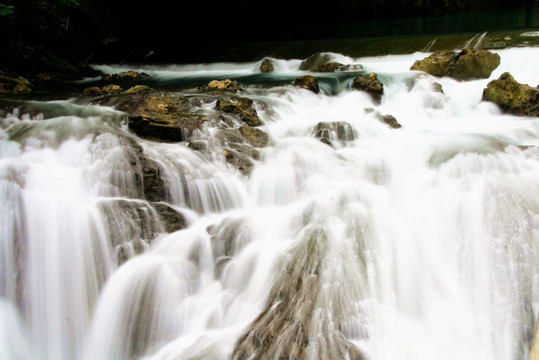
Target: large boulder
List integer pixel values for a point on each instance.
(513, 97)
(164, 117)
(467, 64)
(308, 82)
(370, 84)
(241, 106)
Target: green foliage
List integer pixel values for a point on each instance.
(7, 10)
(69, 3)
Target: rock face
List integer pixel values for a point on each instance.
(308, 82)
(164, 117)
(513, 97)
(371, 85)
(467, 64)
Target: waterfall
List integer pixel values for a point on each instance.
(416, 242)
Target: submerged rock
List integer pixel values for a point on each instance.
(308, 82)
(266, 66)
(371, 85)
(334, 131)
(513, 97)
(467, 64)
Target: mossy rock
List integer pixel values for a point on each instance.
(123, 76)
(513, 97)
(315, 60)
(255, 136)
(241, 106)
(266, 66)
(226, 85)
(467, 64)
(14, 85)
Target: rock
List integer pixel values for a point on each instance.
(371, 85)
(255, 136)
(92, 91)
(329, 67)
(266, 66)
(513, 97)
(223, 85)
(163, 117)
(308, 82)
(331, 131)
(241, 106)
(137, 89)
(123, 76)
(467, 64)
(240, 160)
(13, 85)
(171, 219)
(389, 120)
(315, 60)
(111, 89)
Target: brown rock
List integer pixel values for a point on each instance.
(371, 85)
(308, 82)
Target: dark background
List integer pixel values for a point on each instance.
(50, 35)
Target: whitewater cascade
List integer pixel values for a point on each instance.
(420, 242)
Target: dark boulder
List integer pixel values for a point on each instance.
(371, 85)
(171, 219)
(266, 66)
(308, 82)
(513, 97)
(467, 64)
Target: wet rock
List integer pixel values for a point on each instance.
(171, 219)
(137, 89)
(111, 89)
(163, 117)
(389, 120)
(266, 66)
(329, 67)
(226, 85)
(467, 64)
(13, 85)
(370, 84)
(437, 87)
(308, 82)
(254, 136)
(239, 159)
(513, 97)
(241, 106)
(315, 60)
(334, 131)
(123, 76)
(92, 91)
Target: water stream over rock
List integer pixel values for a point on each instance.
(337, 237)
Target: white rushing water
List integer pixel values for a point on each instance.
(414, 243)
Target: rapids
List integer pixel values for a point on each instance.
(393, 244)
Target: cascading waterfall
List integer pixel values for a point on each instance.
(416, 243)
